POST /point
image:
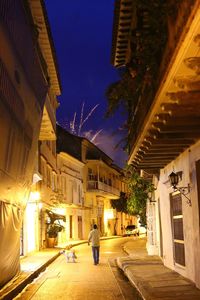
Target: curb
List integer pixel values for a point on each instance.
(18, 288)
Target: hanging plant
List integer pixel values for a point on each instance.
(53, 229)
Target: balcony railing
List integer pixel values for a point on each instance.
(101, 186)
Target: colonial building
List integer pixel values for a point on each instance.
(159, 46)
(44, 196)
(23, 91)
(102, 182)
(88, 181)
(70, 168)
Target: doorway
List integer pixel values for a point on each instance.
(80, 235)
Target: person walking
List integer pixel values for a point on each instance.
(94, 238)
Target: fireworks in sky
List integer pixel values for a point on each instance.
(76, 125)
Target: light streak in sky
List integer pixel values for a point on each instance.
(75, 126)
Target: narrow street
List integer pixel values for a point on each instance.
(100, 130)
(83, 280)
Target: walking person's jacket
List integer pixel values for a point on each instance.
(94, 238)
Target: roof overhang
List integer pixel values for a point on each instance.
(99, 162)
(46, 42)
(123, 23)
(69, 157)
(47, 128)
(173, 121)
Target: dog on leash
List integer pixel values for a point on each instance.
(69, 254)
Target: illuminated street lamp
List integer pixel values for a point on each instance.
(184, 190)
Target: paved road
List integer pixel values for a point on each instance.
(83, 280)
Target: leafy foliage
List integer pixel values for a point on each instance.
(53, 230)
(139, 77)
(139, 190)
(120, 92)
(120, 204)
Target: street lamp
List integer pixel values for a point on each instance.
(184, 190)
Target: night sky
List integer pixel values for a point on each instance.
(82, 34)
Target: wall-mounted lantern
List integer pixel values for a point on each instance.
(185, 190)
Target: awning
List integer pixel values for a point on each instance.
(53, 216)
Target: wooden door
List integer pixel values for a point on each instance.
(80, 236)
(177, 229)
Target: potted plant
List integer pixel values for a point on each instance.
(52, 233)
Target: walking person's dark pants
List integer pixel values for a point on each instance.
(95, 252)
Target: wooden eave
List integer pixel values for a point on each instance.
(46, 43)
(124, 18)
(48, 124)
(173, 122)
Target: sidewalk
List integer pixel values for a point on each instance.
(32, 265)
(151, 278)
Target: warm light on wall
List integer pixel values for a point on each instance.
(40, 205)
(31, 226)
(109, 214)
(59, 210)
(34, 197)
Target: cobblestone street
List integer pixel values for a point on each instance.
(80, 280)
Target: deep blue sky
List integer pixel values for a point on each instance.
(82, 33)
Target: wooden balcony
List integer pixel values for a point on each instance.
(166, 121)
(102, 189)
(158, 44)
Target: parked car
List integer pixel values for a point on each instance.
(143, 229)
(132, 230)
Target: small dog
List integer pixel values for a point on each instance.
(69, 254)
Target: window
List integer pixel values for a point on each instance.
(71, 192)
(63, 185)
(79, 194)
(54, 182)
(43, 170)
(90, 174)
(49, 176)
(53, 148)
(177, 228)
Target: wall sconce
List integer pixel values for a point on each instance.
(150, 197)
(185, 190)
